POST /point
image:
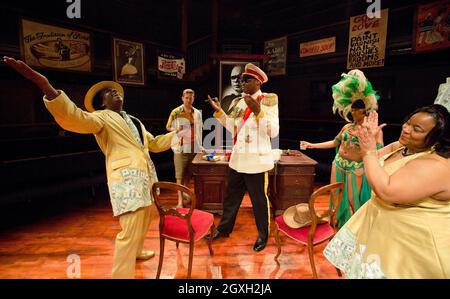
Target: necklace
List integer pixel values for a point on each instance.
(406, 152)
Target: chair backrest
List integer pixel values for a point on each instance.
(336, 191)
(163, 211)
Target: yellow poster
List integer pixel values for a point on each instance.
(367, 41)
(54, 47)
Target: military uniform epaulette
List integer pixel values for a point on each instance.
(236, 112)
(270, 99)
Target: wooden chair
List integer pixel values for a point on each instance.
(181, 225)
(317, 232)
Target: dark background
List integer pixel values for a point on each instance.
(40, 161)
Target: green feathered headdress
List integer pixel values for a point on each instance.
(352, 87)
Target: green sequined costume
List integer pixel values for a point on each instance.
(346, 172)
(352, 87)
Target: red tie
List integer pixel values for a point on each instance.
(246, 116)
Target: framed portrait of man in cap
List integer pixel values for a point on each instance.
(129, 62)
(230, 85)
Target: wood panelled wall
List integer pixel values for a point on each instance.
(406, 81)
(20, 101)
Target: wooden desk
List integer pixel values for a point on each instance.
(291, 181)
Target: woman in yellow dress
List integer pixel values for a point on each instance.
(403, 231)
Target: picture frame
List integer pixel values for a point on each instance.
(228, 84)
(171, 65)
(367, 40)
(277, 50)
(128, 62)
(431, 29)
(47, 46)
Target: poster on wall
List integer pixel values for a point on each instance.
(171, 66)
(129, 62)
(54, 47)
(318, 47)
(443, 97)
(432, 26)
(230, 84)
(277, 49)
(367, 41)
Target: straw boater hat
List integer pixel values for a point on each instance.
(93, 102)
(352, 87)
(256, 72)
(297, 216)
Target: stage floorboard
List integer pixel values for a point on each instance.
(41, 250)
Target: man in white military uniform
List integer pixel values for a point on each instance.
(253, 122)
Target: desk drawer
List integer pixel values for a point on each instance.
(295, 170)
(211, 170)
(293, 182)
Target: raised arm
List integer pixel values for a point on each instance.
(65, 112)
(37, 78)
(324, 145)
(268, 118)
(169, 125)
(227, 122)
(159, 143)
(419, 178)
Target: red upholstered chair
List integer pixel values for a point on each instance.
(319, 231)
(185, 225)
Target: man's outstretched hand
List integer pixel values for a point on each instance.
(27, 72)
(37, 78)
(215, 105)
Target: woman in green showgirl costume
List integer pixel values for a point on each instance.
(354, 95)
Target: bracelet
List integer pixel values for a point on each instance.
(371, 153)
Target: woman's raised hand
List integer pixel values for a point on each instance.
(371, 123)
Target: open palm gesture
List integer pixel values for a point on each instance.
(368, 131)
(27, 72)
(214, 104)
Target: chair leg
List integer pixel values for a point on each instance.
(191, 255)
(161, 255)
(339, 272)
(213, 229)
(311, 260)
(178, 244)
(277, 238)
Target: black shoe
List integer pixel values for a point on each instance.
(260, 244)
(217, 234)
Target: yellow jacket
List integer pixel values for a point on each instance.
(129, 169)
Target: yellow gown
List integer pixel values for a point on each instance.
(385, 240)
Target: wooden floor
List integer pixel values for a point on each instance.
(41, 250)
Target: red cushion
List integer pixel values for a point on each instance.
(175, 227)
(323, 232)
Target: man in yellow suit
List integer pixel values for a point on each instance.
(126, 145)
